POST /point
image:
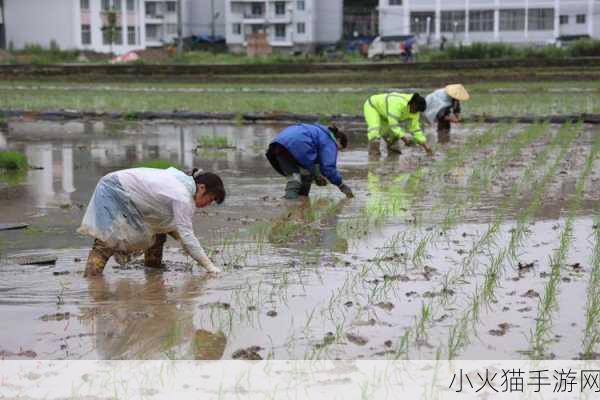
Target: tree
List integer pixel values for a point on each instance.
(110, 28)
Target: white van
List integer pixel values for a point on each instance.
(393, 46)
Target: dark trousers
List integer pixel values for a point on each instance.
(299, 178)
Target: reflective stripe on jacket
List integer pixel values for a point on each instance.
(394, 107)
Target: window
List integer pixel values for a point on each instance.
(258, 28)
(237, 29)
(540, 19)
(257, 9)
(150, 9)
(418, 21)
(151, 32)
(453, 21)
(301, 28)
(171, 6)
(564, 19)
(117, 5)
(280, 31)
(130, 5)
(395, 2)
(580, 18)
(106, 36)
(512, 20)
(105, 5)
(300, 5)
(280, 8)
(86, 34)
(118, 38)
(131, 35)
(85, 5)
(171, 29)
(481, 20)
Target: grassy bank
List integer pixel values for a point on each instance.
(534, 101)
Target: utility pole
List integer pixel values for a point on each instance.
(179, 29)
(212, 19)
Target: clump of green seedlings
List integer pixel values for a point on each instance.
(158, 164)
(11, 161)
(492, 276)
(547, 303)
(591, 336)
(494, 271)
(214, 142)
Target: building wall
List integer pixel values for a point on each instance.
(320, 21)
(39, 22)
(199, 18)
(329, 16)
(397, 19)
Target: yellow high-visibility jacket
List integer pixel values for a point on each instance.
(394, 107)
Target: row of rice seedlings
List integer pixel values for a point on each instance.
(490, 167)
(591, 335)
(415, 186)
(458, 277)
(494, 271)
(547, 304)
(488, 238)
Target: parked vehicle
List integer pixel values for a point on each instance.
(565, 40)
(399, 46)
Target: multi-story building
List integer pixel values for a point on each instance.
(289, 25)
(82, 24)
(468, 21)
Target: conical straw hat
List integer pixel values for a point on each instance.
(457, 92)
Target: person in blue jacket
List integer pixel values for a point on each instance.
(305, 153)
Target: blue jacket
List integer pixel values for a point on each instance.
(312, 144)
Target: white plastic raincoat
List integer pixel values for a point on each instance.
(130, 206)
(436, 101)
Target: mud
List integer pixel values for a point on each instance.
(300, 280)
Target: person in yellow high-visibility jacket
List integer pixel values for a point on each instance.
(391, 116)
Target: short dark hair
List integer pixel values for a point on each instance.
(339, 135)
(212, 183)
(419, 101)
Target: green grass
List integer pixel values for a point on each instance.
(214, 142)
(158, 164)
(12, 161)
(538, 103)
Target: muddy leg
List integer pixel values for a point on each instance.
(153, 256)
(97, 258)
(443, 130)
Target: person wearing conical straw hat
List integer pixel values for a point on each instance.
(443, 107)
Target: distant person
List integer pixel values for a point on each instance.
(443, 43)
(392, 116)
(133, 210)
(443, 108)
(307, 153)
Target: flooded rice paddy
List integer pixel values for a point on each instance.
(489, 251)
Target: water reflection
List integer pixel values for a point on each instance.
(149, 319)
(69, 158)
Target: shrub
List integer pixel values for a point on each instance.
(12, 161)
(584, 48)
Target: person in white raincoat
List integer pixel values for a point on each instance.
(132, 211)
(443, 108)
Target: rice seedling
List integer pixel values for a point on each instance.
(591, 336)
(12, 161)
(214, 142)
(158, 164)
(543, 326)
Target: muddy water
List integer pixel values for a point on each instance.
(300, 281)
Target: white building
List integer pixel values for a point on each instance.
(469, 21)
(289, 25)
(78, 24)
